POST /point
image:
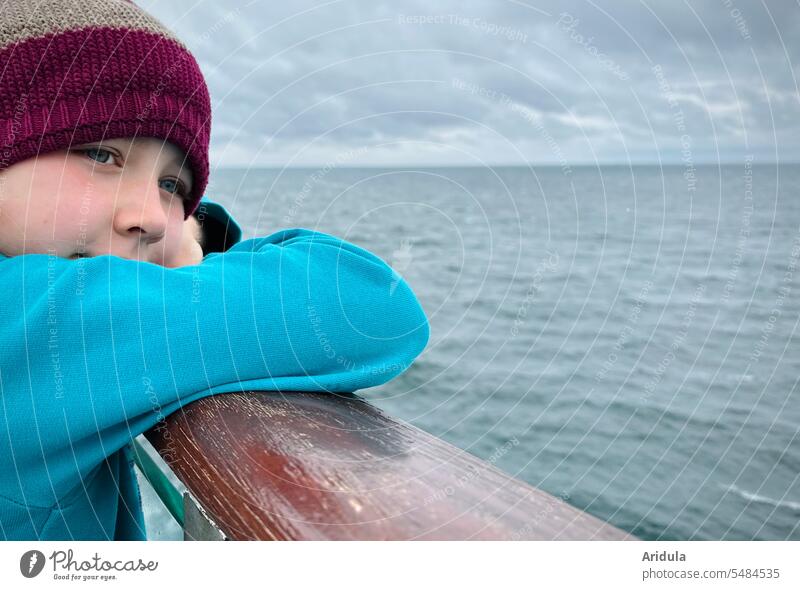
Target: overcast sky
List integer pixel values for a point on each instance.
(494, 82)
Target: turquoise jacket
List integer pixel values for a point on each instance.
(96, 351)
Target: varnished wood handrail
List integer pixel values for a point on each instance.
(266, 465)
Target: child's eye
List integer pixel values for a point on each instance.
(100, 155)
(174, 186)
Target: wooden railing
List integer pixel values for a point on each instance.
(266, 465)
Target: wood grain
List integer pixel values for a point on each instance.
(315, 466)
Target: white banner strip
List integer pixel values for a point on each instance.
(406, 566)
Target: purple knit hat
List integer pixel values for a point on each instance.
(80, 71)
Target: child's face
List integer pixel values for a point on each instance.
(119, 196)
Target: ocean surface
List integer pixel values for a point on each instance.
(632, 331)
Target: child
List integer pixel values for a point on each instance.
(104, 128)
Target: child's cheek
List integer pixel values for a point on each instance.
(174, 237)
(81, 208)
(70, 222)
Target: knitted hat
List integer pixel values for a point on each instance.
(80, 71)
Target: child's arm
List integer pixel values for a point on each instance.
(96, 351)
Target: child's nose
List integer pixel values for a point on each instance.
(140, 212)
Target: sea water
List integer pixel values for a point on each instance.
(625, 338)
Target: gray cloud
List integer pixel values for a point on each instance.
(498, 81)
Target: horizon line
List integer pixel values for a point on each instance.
(531, 165)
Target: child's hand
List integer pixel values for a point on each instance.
(190, 251)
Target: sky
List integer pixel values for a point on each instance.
(501, 82)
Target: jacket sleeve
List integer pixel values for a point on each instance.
(98, 350)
